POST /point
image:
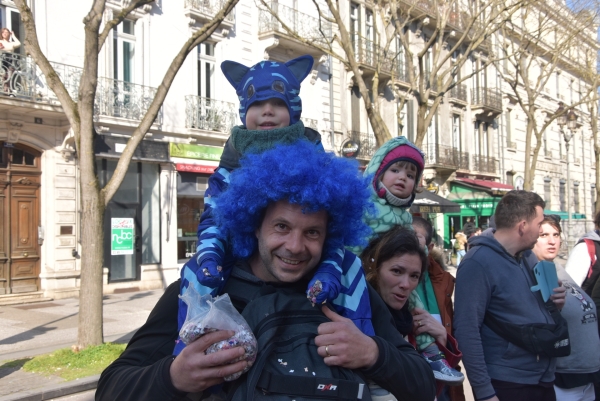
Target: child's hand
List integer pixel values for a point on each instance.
(209, 273)
(323, 287)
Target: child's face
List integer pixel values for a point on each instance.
(267, 114)
(399, 179)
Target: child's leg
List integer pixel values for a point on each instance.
(189, 277)
(437, 361)
(343, 283)
(426, 343)
(414, 301)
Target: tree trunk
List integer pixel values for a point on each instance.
(90, 329)
(529, 173)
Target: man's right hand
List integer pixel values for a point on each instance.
(193, 371)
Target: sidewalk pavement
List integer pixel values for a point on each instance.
(28, 330)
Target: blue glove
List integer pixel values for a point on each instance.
(323, 287)
(209, 273)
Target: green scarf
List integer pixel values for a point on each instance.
(258, 141)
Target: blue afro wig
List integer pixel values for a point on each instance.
(303, 175)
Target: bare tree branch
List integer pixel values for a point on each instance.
(138, 134)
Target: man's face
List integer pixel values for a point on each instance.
(290, 243)
(530, 230)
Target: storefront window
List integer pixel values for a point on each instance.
(137, 203)
(190, 205)
(150, 214)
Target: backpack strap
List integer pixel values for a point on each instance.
(591, 247)
(328, 388)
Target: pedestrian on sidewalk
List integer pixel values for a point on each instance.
(493, 286)
(576, 373)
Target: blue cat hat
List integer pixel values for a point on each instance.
(267, 80)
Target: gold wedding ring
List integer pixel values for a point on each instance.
(327, 350)
(420, 323)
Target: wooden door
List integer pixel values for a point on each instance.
(20, 220)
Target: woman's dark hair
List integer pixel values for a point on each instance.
(396, 242)
(553, 221)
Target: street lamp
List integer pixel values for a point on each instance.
(570, 120)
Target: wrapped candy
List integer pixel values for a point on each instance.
(207, 314)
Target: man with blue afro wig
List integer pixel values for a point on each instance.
(270, 110)
(303, 175)
(300, 174)
(285, 211)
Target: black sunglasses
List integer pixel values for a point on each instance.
(554, 217)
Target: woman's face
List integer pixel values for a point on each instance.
(5, 34)
(398, 276)
(548, 243)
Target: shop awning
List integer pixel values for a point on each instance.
(194, 166)
(564, 215)
(428, 202)
(496, 188)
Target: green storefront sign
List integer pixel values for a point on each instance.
(479, 205)
(190, 151)
(122, 234)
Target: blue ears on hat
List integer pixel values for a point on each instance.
(269, 79)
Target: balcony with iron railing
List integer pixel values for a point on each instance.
(458, 93)
(442, 156)
(484, 164)
(205, 11)
(374, 57)
(122, 99)
(210, 114)
(489, 99)
(367, 143)
(428, 8)
(23, 80)
(312, 29)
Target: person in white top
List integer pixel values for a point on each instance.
(8, 44)
(579, 262)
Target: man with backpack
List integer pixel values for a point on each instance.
(584, 265)
(493, 292)
(284, 210)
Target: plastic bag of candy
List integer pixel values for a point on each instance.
(206, 314)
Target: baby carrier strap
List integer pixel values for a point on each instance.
(594, 269)
(551, 340)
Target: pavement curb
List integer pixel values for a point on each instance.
(55, 390)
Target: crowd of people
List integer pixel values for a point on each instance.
(343, 288)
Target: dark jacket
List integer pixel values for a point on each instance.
(490, 280)
(443, 287)
(142, 371)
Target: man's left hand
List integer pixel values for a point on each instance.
(559, 296)
(341, 343)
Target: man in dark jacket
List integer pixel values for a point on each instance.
(301, 203)
(494, 278)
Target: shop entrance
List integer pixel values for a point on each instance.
(131, 220)
(19, 219)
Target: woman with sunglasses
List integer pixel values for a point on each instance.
(576, 373)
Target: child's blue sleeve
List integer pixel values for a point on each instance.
(340, 279)
(211, 248)
(203, 270)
